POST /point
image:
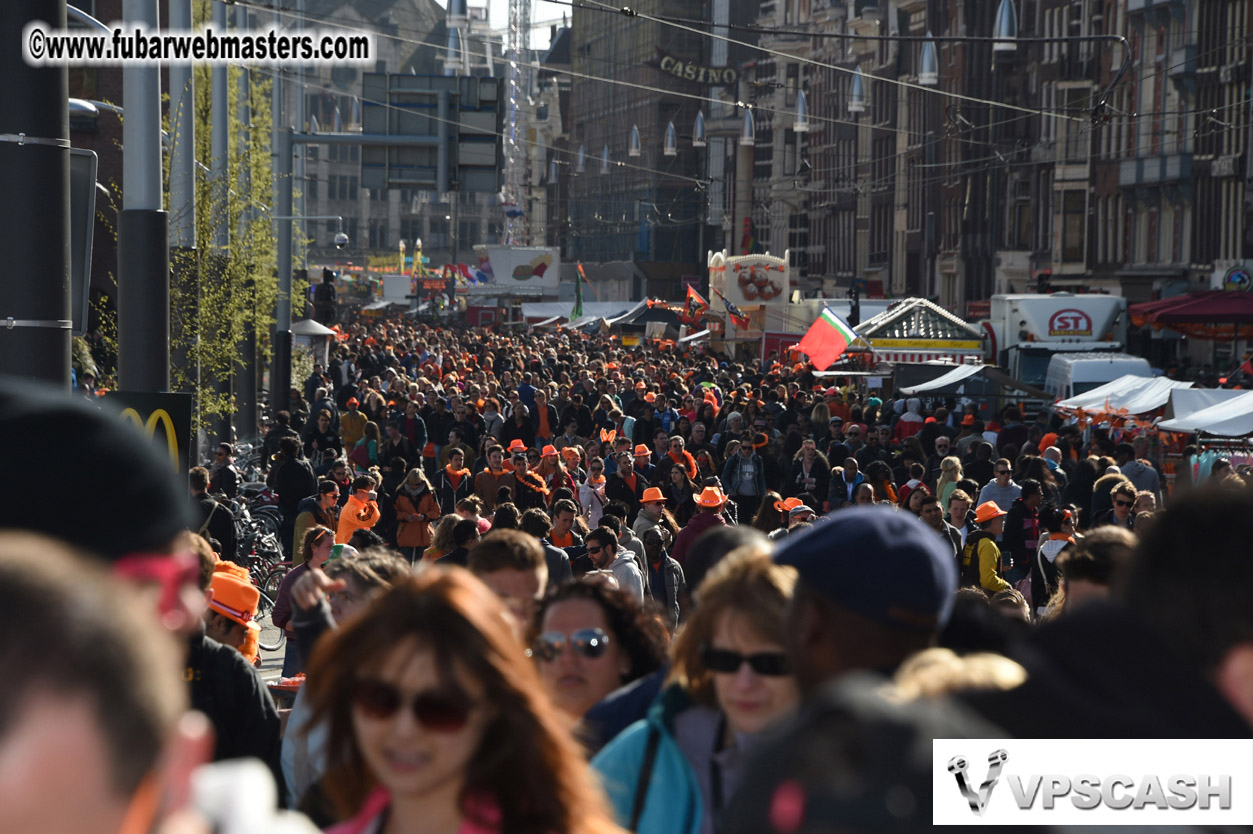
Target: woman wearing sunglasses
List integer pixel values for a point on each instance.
(591, 640)
(729, 680)
(438, 723)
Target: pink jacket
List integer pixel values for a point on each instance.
(368, 818)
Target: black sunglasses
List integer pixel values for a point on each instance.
(1124, 503)
(436, 711)
(589, 642)
(769, 664)
(1002, 472)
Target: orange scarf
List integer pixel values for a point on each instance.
(685, 460)
(630, 480)
(563, 541)
(455, 475)
(534, 481)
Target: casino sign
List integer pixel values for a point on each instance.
(692, 71)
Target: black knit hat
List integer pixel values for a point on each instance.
(76, 471)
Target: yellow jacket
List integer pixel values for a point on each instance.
(351, 428)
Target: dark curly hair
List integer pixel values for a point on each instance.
(639, 631)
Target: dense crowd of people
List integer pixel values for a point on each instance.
(546, 583)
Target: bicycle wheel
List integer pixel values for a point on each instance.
(273, 580)
(272, 637)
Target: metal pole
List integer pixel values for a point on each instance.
(280, 369)
(35, 216)
(246, 383)
(143, 227)
(302, 122)
(219, 426)
(183, 260)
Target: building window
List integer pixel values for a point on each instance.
(1073, 218)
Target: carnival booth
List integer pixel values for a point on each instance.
(987, 386)
(916, 330)
(748, 292)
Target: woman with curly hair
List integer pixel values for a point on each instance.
(730, 680)
(592, 639)
(437, 722)
(441, 540)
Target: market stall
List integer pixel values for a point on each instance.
(1232, 418)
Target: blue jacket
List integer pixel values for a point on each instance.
(674, 804)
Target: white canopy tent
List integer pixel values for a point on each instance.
(1132, 394)
(1186, 401)
(943, 381)
(1231, 418)
(315, 336)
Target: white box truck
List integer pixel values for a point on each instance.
(1070, 374)
(1024, 331)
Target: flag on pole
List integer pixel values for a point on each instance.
(827, 339)
(1247, 367)
(695, 304)
(577, 312)
(741, 321)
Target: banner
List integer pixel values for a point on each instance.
(537, 268)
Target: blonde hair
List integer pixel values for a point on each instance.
(950, 473)
(934, 673)
(442, 540)
(747, 583)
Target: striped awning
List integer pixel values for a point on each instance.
(973, 357)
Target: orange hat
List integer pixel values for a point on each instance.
(571, 453)
(548, 451)
(650, 397)
(987, 511)
(613, 366)
(711, 497)
(234, 597)
(786, 505)
(516, 445)
(642, 451)
(652, 494)
(353, 401)
(968, 420)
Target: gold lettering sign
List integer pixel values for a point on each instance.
(691, 71)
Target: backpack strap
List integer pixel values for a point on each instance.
(208, 518)
(646, 775)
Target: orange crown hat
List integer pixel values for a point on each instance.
(652, 494)
(234, 597)
(711, 497)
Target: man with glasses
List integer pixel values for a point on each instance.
(602, 549)
(1001, 490)
(224, 477)
(873, 450)
(1123, 496)
(943, 448)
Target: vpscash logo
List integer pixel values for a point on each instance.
(978, 799)
(1080, 781)
(1119, 792)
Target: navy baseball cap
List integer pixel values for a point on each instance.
(883, 564)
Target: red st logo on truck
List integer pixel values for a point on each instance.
(1070, 323)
